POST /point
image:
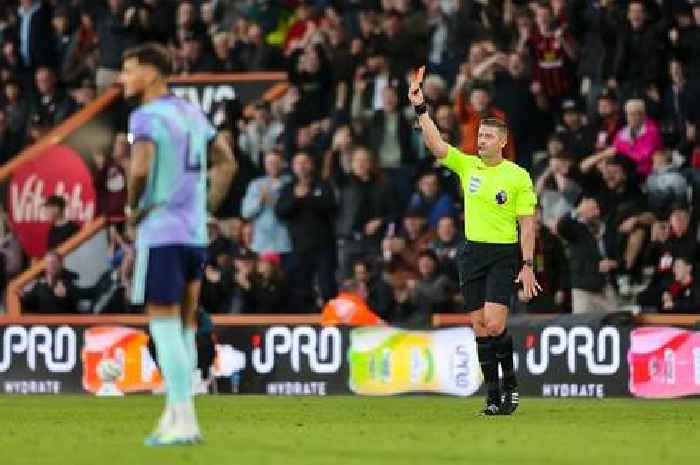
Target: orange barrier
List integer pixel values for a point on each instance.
(14, 288)
(142, 320)
(452, 319)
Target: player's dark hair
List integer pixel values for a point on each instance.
(151, 54)
(495, 122)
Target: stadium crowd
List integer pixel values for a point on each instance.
(335, 190)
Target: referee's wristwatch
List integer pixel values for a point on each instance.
(528, 262)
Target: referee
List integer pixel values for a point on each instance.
(498, 195)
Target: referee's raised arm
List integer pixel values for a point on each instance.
(431, 134)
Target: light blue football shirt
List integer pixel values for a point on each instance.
(177, 181)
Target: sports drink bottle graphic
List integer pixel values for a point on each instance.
(385, 361)
(664, 362)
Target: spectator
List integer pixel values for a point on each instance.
(679, 103)
(10, 142)
(36, 38)
(430, 198)
(112, 292)
(446, 246)
(606, 122)
(590, 264)
(552, 273)
(371, 79)
(260, 134)
(552, 50)
(670, 238)
(269, 233)
(682, 295)
(194, 57)
(337, 163)
(389, 136)
(61, 227)
(110, 179)
(16, 108)
(665, 186)
(389, 130)
(10, 249)
(557, 188)
(51, 103)
(217, 289)
(55, 291)
(267, 290)
(253, 54)
(307, 205)
(576, 135)
(638, 57)
(244, 265)
(310, 72)
(81, 57)
(61, 32)
(640, 138)
(84, 93)
(403, 249)
(11, 62)
(118, 27)
(432, 292)
(514, 90)
(366, 208)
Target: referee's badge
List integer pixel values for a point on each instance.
(501, 197)
(474, 184)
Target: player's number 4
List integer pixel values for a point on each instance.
(193, 158)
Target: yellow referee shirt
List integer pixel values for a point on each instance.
(494, 197)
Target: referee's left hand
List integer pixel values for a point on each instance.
(526, 277)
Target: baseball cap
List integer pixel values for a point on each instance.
(570, 105)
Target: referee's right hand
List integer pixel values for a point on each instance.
(415, 94)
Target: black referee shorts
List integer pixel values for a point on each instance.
(487, 273)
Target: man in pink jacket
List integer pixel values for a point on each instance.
(640, 138)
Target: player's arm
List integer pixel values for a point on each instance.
(142, 155)
(527, 237)
(431, 134)
(223, 168)
(525, 202)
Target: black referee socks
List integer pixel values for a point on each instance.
(489, 366)
(503, 347)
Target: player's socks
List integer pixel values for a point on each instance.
(170, 348)
(504, 354)
(489, 367)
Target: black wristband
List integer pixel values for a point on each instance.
(528, 262)
(420, 109)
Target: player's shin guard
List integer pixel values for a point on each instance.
(489, 367)
(503, 345)
(172, 357)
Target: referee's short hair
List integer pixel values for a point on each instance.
(152, 54)
(495, 122)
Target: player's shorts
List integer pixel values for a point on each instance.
(162, 272)
(487, 273)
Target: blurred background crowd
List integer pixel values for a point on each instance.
(336, 191)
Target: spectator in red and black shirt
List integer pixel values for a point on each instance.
(682, 295)
(552, 49)
(607, 121)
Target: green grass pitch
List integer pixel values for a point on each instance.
(352, 430)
